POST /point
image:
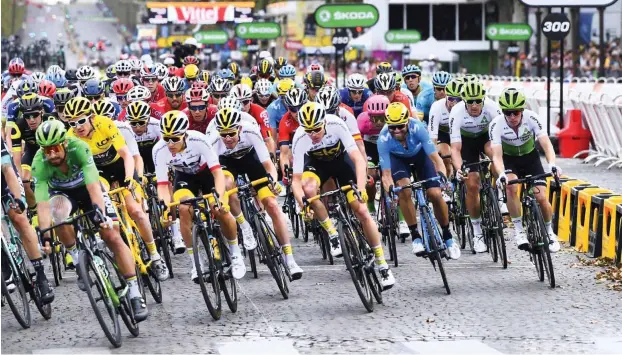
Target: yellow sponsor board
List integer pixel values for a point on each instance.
(164, 42)
(323, 41)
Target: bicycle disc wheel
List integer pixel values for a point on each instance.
(107, 315)
(435, 253)
(545, 253)
(263, 233)
(125, 309)
(161, 236)
(17, 299)
(208, 276)
(355, 265)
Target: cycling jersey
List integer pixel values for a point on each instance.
(6, 156)
(276, 110)
(461, 123)
(347, 116)
(520, 141)
(249, 139)
(261, 116)
(273, 97)
(201, 126)
(367, 129)
(14, 108)
(337, 139)
(159, 108)
(287, 128)
(105, 140)
(128, 135)
(417, 139)
(21, 132)
(246, 118)
(425, 99)
(158, 95)
(194, 158)
(357, 107)
(439, 119)
(147, 141)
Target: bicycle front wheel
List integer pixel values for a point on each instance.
(264, 235)
(161, 236)
(150, 279)
(55, 260)
(545, 253)
(356, 265)
(497, 231)
(125, 309)
(435, 252)
(208, 276)
(17, 299)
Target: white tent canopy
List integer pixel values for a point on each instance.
(432, 47)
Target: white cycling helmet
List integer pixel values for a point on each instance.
(242, 92)
(123, 66)
(356, 82)
(231, 102)
(86, 72)
(138, 93)
(161, 71)
(315, 67)
(53, 69)
(136, 64)
(263, 87)
(37, 76)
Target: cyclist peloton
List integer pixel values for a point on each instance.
(355, 94)
(421, 90)
(277, 109)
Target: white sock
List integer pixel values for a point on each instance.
(75, 255)
(133, 288)
(477, 226)
(518, 224)
(190, 255)
(175, 228)
(549, 227)
(234, 249)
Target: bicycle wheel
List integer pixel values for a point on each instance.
(318, 235)
(161, 235)
(125, 309)
(150, 279)
(107, 316)
(17, 299)
(392, 235)
(228, 283)
(434, 253)
(327, 246)
(35, 294)
(55, 256)
(368, 256)
(253, 262)
(208, 276)
(268, 245)
(497, 231)
(356, 265)
(307, 230)
(545, 253)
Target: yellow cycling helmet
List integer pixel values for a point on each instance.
(138, 111)
(396, 113)
(284, 86)
(246, 80)
(205, 76)
(174, 123)
(227, 119)
(78, 106)
(191, 71)
(473, 90)
(311, 115)
(454, 87)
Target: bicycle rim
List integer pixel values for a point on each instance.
(536, 256)
(91, 278)
(271, 254)
(356, 266)
(162, 237)
(435, 253)
(306, 232)
(125, 309)
(35, 295)
(228, 283)
(208, 279)
(153, 284)
(547, 260)
(327, 247)
(20, 307)
(321, 242)
(498, 234)
(393, 237)
(54, 256)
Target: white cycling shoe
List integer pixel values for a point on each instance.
(554, 245)
(478, 244)
(238, 269)
(249, 238)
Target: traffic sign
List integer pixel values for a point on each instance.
(508, 32)
(346, 15)
(258, 30)
(340, 39)
(402, 36)
(212, 37)
(555, 26)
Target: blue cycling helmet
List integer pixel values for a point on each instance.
(27, 86)
(411, 69)
(93, 87)
(226, 74)
(287, 71)
(58, 79)
(441, 78)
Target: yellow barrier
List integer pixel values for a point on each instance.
(584, 211)
(564, 211)
(595, 227)
(611, 219)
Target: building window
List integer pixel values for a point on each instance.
(444, 22)
(418, 18)
(470, 22)
(396, 16)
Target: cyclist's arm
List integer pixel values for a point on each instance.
(549, 153)
(360, 163)
(128, 162)
(284, 157)
(297, 189)
(211, 159)
(12, 180)
(430, 148)
(96, 195)
(262, 152)
(139, 164)
(494, 133)
(456, 141)
(433, 123)
(387, 179)
(14, 142)
(384, 156)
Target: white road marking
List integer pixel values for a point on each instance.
(450, 347)
(608, 345)
(258, 347)
(73, 351)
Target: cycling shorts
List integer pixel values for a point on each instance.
(250, 165)
(472, 148)
(371, 149)
(422, 164)
(340, 169)
(523, 165)
(192, 185)
(443, 137)
(81, 200)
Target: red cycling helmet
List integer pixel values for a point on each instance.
(197, 95)
(122, 86)
(191, 60)
(47, 88)
(172, 70)
(16, 67)
(199, 84)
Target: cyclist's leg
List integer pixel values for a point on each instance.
(471, 149)
(444, 148)
(400, 171)
(62, 206)
(186, 187)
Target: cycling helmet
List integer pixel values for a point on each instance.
(47, 88)
(85, 72)
(191, 71)
(135, 64)
(93, 87)
(220, 85)
(396, 113)
(161, 71)
(441, 78)
(230, 102)
(197, 95)
(234, 68)
(191, 60)
(329, 97)
(226, 74)
(265, 68)
(473, 90)
(287, 71)
(71, 75)
(138, 93)
(356, 82)
(384, 82)
(469, 77)
(16, 66)
(110, 71)
(199, 84)
(104, 108)
(295, 98)
(174, 123)
(148, 70)
(384, 67)
(55, 69)
(62, 95)
(138, 111)
(78, 106)
(253, 71)
(58, 79)
(315, 80)
(311, 115)
(122, 86)
(51, 132)
(26, 87)
(205, 76)
(242, 92)
(172, 71)
(31, 102)
(315, 67)
(398, 79)
(227, 119)
(173, 84)
(284, 85)
(279, 63)
(453, 88)
(37, 76)
(123, 66)
(411, 69)
(263, 87)
(377, 105)
(512, 99)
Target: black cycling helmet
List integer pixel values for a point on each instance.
(71, 74)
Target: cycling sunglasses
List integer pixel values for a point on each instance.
(172, 139)
(228, 134)
(377, 118)
(439, 88)
(150, 80)
(123, 74)
(138, 123)
(93, 97)
(31, 115)
(411, 76)
(79, 122)
(121, 98)
(197, 108)
(314, 130)
(474, 101)
(356, 92)
(245, 102)
(174, 94)
(509, 113)
(454, 98)
(53, 148)
(397, 127)
(220, 95)
(385, 92)
(59, 108)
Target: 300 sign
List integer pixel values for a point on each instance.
(555, 26)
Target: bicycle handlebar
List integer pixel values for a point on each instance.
(346, 188)
(250, 184)
(195, 199)
(72, 219)
(527, 179)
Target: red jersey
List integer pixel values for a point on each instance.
(201, 126)
(287, 128)
(158, 109)
(261, 116)
(159, 94)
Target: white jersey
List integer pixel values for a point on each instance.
(249, 139)
(461, 123)
(519, 141)
(350, 121)
(411, 98)
(337, 139)
(128, 135)
(196, 156)
(246, 118)
(151, 136)
(439, 118)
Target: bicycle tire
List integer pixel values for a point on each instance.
(21, 310)
(308, 227)
(545, 252)
(231, 291)
(435, 253)
(329, 256)
(392, 238)
(125, 309)
(372, 276)
(318, 235)
(35, 295)
(498, 231)
(163, 236)
(534, 254)
(150, 279)
(54, 261)
(262, 235)
(86, 264)
(200, 239)
(356, 266)
(253, 262)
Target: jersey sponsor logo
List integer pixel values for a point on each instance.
(104, 142)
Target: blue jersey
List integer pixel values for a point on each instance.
(276, 110)
(357, 107)
(416, 139)
(425, 98)
(14, 108)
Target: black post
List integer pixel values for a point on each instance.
(492, 65)
(336, 67)
(344, 68)
(548, 87)
(561, 82)
(601, 29)
(526, 43)
(538, 46)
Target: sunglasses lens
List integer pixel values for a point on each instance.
(198, 108)
(137, 123)
(53, 148)
(397, 127)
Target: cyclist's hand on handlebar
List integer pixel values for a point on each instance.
(556, 170)
(107, 223)
(130, 183)
(144, 180)
(461, 176)
(285, 180)
(19, 206)
(277, 188)
(443, 180)
(364, 196)
(224, 207)
(502, 180)
(165, 218)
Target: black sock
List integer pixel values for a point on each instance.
(446, 233)
(414, 232)
(38, 265)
